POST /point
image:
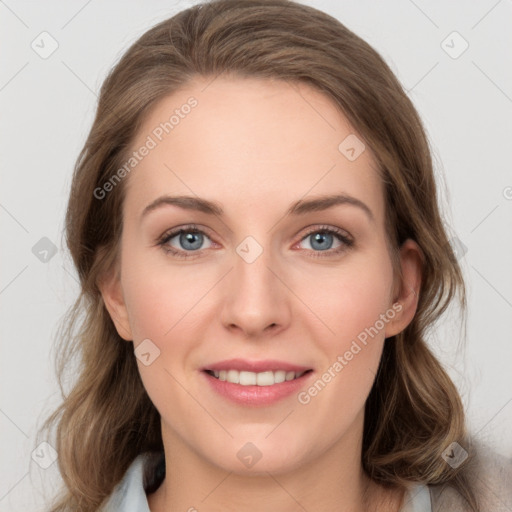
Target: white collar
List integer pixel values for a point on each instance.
(130, 496)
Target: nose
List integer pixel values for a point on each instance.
(256, 302)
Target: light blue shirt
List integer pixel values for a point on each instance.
(129, 494)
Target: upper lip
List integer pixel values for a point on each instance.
(255, 366)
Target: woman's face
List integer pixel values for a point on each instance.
(288, 272)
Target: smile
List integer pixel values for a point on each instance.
(246, 378)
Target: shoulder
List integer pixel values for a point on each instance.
(490, 477)
(129, 495)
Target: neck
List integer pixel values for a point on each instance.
(333, 482)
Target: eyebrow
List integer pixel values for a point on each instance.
(300, 207)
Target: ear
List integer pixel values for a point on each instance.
(112, 294)
(407, 288)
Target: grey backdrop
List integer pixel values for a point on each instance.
(454, 59)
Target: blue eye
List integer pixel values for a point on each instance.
(322, 239)
(190, 240)
(187, 241)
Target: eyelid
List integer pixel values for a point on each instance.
(343, 236)
(172, 232)
(175, 231)
(330, 229)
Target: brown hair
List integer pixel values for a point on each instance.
(414, 410)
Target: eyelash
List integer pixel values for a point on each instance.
(339, 234)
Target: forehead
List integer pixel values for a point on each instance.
(242, 141)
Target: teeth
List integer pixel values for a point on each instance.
(279, 376)
(290, 375)
(233, 376)
(256, 379)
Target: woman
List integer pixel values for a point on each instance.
(255, 226)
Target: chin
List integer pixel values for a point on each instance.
(259, 456)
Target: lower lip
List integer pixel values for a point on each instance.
(256, 395)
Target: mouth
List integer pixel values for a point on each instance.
(256, 383)
(248, 378)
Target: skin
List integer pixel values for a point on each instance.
(255, 147)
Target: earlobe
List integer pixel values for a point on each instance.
(407, 296)
(111, 292)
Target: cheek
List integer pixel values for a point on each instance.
(355, 306)
(149, 309)
(160, 301)
(159, 298)
(352, 300)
